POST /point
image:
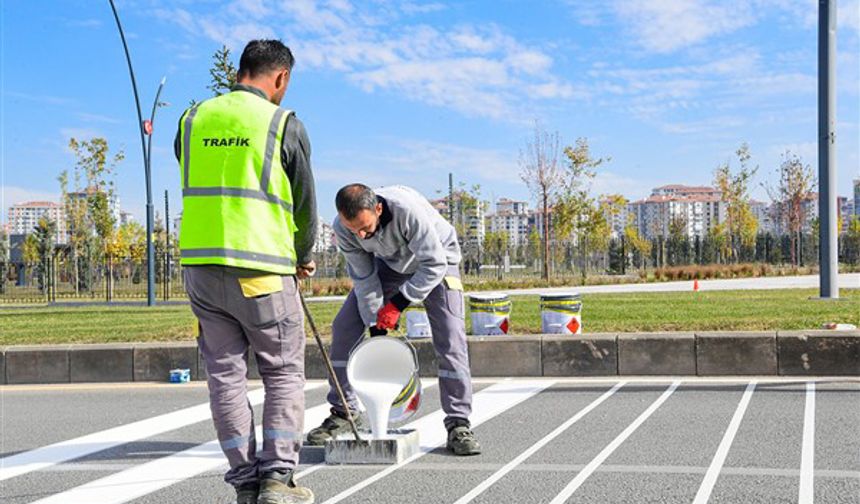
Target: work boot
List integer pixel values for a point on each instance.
(246, 493)
(461, 441)
(279, 488)
(333, 426)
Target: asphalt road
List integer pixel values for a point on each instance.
(545, 441)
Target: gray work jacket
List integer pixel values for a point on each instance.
(414, 240)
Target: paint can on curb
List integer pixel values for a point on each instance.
(491, 314)
(561, 313)
(417, 322)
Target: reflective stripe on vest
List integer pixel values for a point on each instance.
(237, 210)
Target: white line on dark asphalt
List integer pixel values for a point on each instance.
(807, 458)
(425, 384)
(611, 447)
(716, 466)
(510, 466)
(486, 404)
(47, 456)
(146, 478)
(152, 476)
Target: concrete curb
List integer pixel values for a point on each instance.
(657, 354)
(766, 353)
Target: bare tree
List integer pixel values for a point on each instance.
(540, 171)
(795, 181)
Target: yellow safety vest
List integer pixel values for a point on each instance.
(237, 202)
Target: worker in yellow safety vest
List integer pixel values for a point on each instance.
(248, 226)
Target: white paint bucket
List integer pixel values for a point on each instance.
(491, 314)
(383, 372)
(561, 313)
(417, 323)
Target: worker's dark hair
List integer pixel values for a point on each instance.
(264, 56)
(354, 198)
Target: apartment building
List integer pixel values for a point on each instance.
(23, 218)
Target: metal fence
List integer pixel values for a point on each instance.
(60, 278)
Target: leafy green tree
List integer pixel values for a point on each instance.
(222, 72)
(87, 195)
(679, 244)
(576, 215)
(741, 225)
(38, 250)
(596, 232)
(495, 247)
(4, 260)
(467, 210)
(534, 249)
(30, 250)
(640, 245)
(852, 241)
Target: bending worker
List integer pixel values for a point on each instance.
(248, 227)
(399, 250)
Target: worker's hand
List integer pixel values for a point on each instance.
(375, 331)
(390, 313)
(306, 270)
(387, 317)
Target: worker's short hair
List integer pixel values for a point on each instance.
(264, 56)
(353, 198)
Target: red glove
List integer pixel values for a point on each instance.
(388, 316)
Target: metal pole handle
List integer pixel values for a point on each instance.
(329, 367)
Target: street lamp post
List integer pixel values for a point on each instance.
(827, 213)
(145, 131)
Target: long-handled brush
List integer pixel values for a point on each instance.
(391, 450)
(330, 368)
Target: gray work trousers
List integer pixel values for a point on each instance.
(446, 312)
(273, 326)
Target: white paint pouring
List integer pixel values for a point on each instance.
(378, 370)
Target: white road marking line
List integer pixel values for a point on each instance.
(486, 404)
(719, 459)
(611, 447)
(146, 478)
(425, 384)
(47, 456)
(510, 466)
(807, 458)
(522, 468)
(525, 468)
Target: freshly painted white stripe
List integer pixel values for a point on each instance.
(807, 457)
(510, 466)
(160, 473)
(716, 466)
(485, 405)
(307, 472)
(426, 383)
(47, 456)
(152, 476)
(611, 447)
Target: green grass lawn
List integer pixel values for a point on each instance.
(677, 311)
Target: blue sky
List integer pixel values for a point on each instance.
(405, 92)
